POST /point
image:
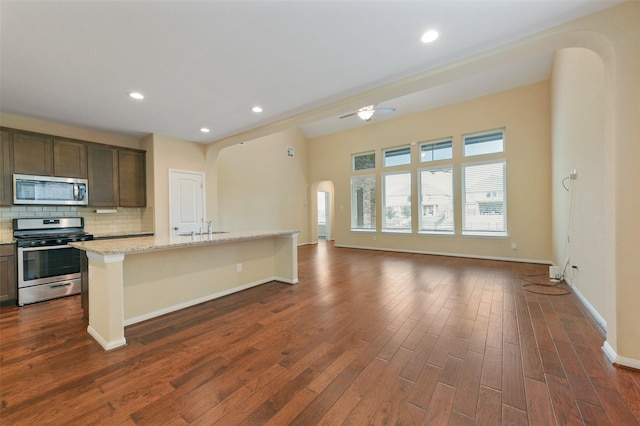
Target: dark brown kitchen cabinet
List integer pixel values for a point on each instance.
(8, 284)
(132, 178)
(103, 176)
(32, 154)
(69, 159)
(6, 169)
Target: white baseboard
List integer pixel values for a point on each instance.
(434, 253)
(106, 345)
(620, 360)
(169, 309)
(595, 314)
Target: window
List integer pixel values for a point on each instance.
(397, 156)
(435, 151)
(396, 202)
(484, 143)
(363, 203)
(484, 197)
(436, 200)
(364, 161)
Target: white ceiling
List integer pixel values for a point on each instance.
(206, 63)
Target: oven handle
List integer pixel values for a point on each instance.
(43, 248)
(60, 285)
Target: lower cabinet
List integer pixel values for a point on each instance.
(8, 279)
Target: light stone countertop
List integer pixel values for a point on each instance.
(145, 244)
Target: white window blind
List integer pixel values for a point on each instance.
(435, 151)
(485, 199)
(485, 143)
(436, 200)
(397, 156)
(396, 207)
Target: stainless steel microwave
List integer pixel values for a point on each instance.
(31, 189)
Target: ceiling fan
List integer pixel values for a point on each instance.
(365, 113)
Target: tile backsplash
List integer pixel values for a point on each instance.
(123, 221)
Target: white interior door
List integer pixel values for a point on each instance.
(186, 202)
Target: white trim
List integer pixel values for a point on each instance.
(594, 313)
(620, 360)
(106, 345)
(169, 309)
(434, 253)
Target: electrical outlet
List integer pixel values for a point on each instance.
(239, 267)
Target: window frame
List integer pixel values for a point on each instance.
(434, 142)
(479, 135)
(362, 154)
(396, 148)
(353, 213)
(463, 179)
(383, 185)
(453, 201)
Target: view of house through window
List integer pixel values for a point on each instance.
(363, 203)
(480, 188)
(364, 161)
(484, 199)
(396, 202)
(436, 200)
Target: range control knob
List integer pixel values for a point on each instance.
(43, 242)
(59, 241)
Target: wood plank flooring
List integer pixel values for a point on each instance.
(366, 338)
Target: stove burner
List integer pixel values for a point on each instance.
(49, 231)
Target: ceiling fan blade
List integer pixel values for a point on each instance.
(349, 115)
(385, 110)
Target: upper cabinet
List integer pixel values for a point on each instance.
(42, 155)
(32, 154)
(103, 176)
(6, 169)
(69, 159)
(132, 178)
(117, 176)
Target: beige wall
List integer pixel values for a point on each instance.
(171, 153)
(523, 113)
(581, 226)
(260, 187)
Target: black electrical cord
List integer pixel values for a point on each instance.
(529, 282)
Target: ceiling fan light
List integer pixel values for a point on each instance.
(366, 114)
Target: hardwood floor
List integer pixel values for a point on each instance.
(367, 337)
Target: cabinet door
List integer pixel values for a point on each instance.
(8, 284)
(69, 159)
(32, 154)
(103, 176)
(132, 176)
(6, 170)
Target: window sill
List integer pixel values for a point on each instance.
(439, 233)
(485, 234)
(363, 230)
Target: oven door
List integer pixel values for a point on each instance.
(50, 264)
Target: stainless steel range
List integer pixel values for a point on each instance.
(48, 268)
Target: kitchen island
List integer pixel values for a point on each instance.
(135, 279)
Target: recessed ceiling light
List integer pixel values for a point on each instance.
(256, 109)
(204, 130)
(136, 95)
(429, 36)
